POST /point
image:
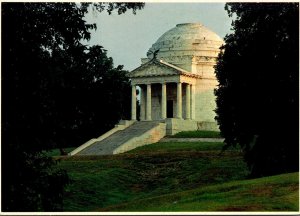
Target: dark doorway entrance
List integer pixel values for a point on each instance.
(169, 108)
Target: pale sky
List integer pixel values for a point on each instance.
(128, 37)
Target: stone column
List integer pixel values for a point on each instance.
(193, 102)
(179, 101)
(133, 102)
(142, 103)
(163, 100)
(187, 102)
(148, 104)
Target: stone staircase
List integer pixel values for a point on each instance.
(138, 134)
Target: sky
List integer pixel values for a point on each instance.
(128, 37)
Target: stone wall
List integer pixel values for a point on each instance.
(177, 125)
(205, 100)
(208, 126)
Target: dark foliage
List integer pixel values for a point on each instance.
(258, 94)
(54, 93)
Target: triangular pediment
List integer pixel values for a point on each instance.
(154, 68)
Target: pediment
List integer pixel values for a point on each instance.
(153, 68)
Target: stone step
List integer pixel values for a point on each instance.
(109, 144)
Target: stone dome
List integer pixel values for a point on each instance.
(187, 43)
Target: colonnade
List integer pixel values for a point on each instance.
(189, 102)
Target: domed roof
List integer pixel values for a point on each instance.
(187, 39)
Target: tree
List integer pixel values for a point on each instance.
(44, 68)
(93, 100)
(258, 92)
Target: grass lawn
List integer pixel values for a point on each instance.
(197, 134)
(171, 177)
(275, 193)
(162, 168)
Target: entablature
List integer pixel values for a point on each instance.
(163, 79)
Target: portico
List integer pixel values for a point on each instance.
(166, 92)
(146, 101)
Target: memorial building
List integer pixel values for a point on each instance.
(177, 80)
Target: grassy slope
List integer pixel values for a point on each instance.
(197, 134)
(174, 177)
(275, 193)
(153, 170)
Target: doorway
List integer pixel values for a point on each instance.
(169, 108)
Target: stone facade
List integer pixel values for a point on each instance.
(179, 81)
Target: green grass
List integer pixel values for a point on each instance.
(168, 147)
(171, 177)
(275, 193)
(101, 181)
(197, 134)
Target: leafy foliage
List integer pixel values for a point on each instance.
(54, 91)
(90, 95)
(258, 94)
